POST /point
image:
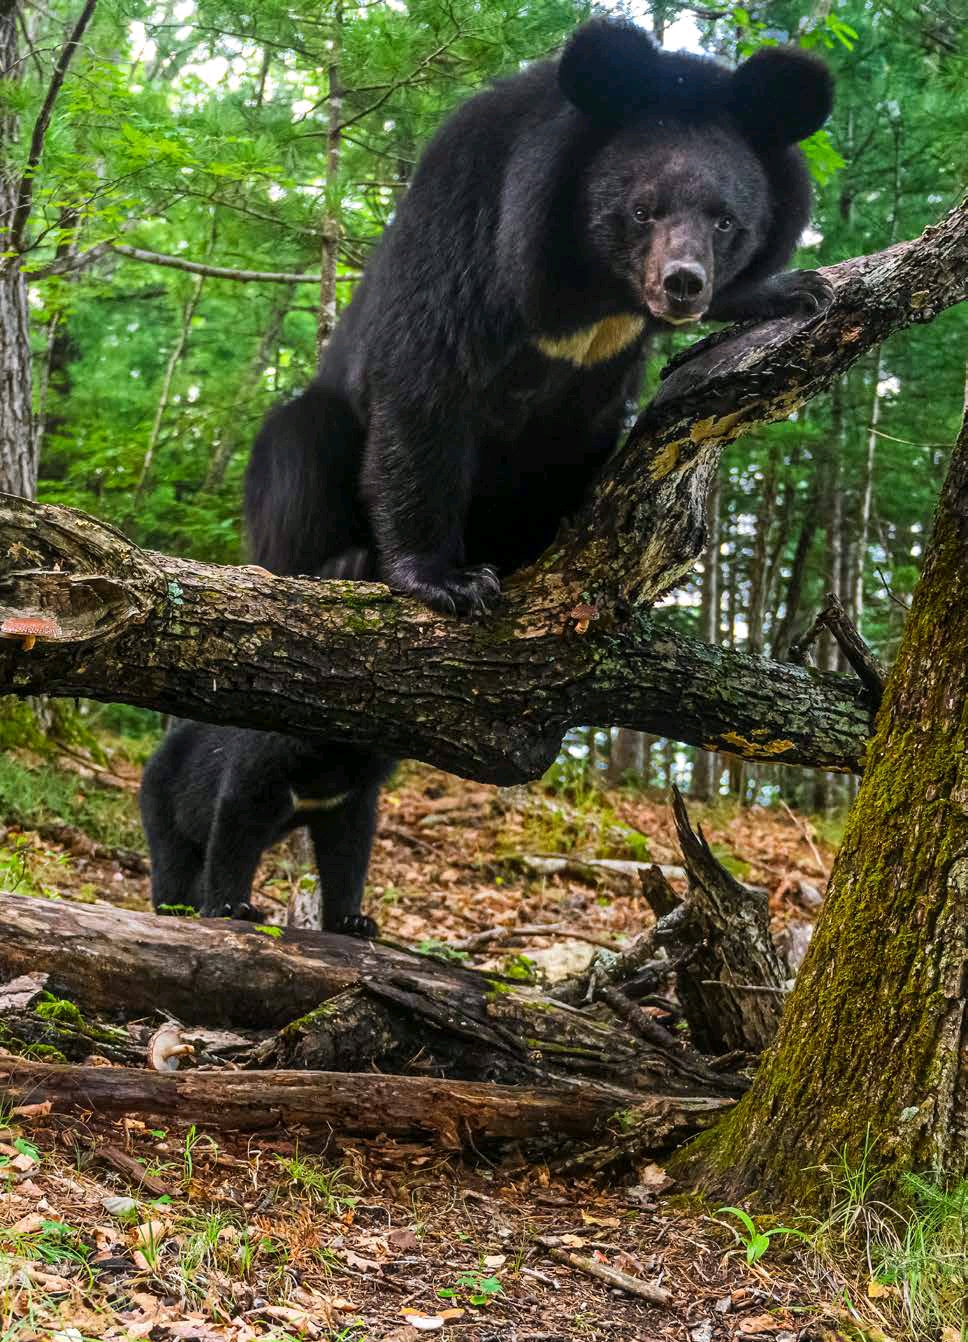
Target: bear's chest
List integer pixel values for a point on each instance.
(598, 343)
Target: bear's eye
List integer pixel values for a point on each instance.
(641, 215)
(724, 223)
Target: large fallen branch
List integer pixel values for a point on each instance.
(363, 1103)
(87, 613)
(343, 1004)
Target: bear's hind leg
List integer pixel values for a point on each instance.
(342, 839)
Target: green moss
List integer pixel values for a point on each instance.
(59, 1010)
(176, 911)
(63, 1013)
(268, 930)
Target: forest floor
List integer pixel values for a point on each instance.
(282, 1237)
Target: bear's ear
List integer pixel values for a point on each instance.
(781, 95)
(605, 69)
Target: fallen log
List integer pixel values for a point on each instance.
(85, 612)
(344, 1004)
(453, 1112)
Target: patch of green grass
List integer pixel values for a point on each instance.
(32, 796)
(53, 1242)
(925, 1257)
(29, 869)
(319, 1183)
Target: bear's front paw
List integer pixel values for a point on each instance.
(355, 925)
(458, 591)
(802, 293)
(243, 912)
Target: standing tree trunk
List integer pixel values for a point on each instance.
(18, 456)
(705, 769)
(331, 227)
(171, 367)
(234, 433)
(872, 1054)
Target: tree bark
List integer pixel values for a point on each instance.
(18, 457)
(490, 699)
(400, 1106)
(705, 768)
(871, 1062)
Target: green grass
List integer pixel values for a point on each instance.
(34, 795)
(319, 1183)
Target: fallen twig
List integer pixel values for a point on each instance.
(808, 839)
(645, 1290)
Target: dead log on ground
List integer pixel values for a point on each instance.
(401, 1106)
(344, 1004)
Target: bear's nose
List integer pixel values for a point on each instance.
(683, 281)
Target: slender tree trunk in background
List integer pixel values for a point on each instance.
(737, 769)
(235, 433)
(645, 768)
(786, 629)
(831, 509)
(866, 498)
(18, 448)
(867, 479)
(871, 1060)
(765, 515)
(329, 254)
(784, 516)
(174, 358)
(625, 755)
(706, 768)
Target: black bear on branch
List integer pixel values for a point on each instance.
(478, 381)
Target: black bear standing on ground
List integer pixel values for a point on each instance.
(213, 799)
(478, 381)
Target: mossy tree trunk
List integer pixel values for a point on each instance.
(872, 1053)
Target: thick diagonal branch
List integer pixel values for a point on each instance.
(573, 641)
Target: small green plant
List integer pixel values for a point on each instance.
(519, 967)
(440, 950)
(193, 1139)
(53, 1242)
(751, 1238)
(473, 1287)
(326, 1186)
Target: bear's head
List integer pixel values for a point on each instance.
(694, 178)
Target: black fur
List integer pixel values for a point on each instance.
(440, 434)
(213, 799)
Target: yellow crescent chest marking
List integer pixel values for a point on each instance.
(594, 344)
(317, 803)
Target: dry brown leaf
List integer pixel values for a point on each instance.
(33, 1110)
(755, 1324)
(654, 1178)
(590, 1220)
(403, 1241)
(357, 1260)
(876, 1290)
